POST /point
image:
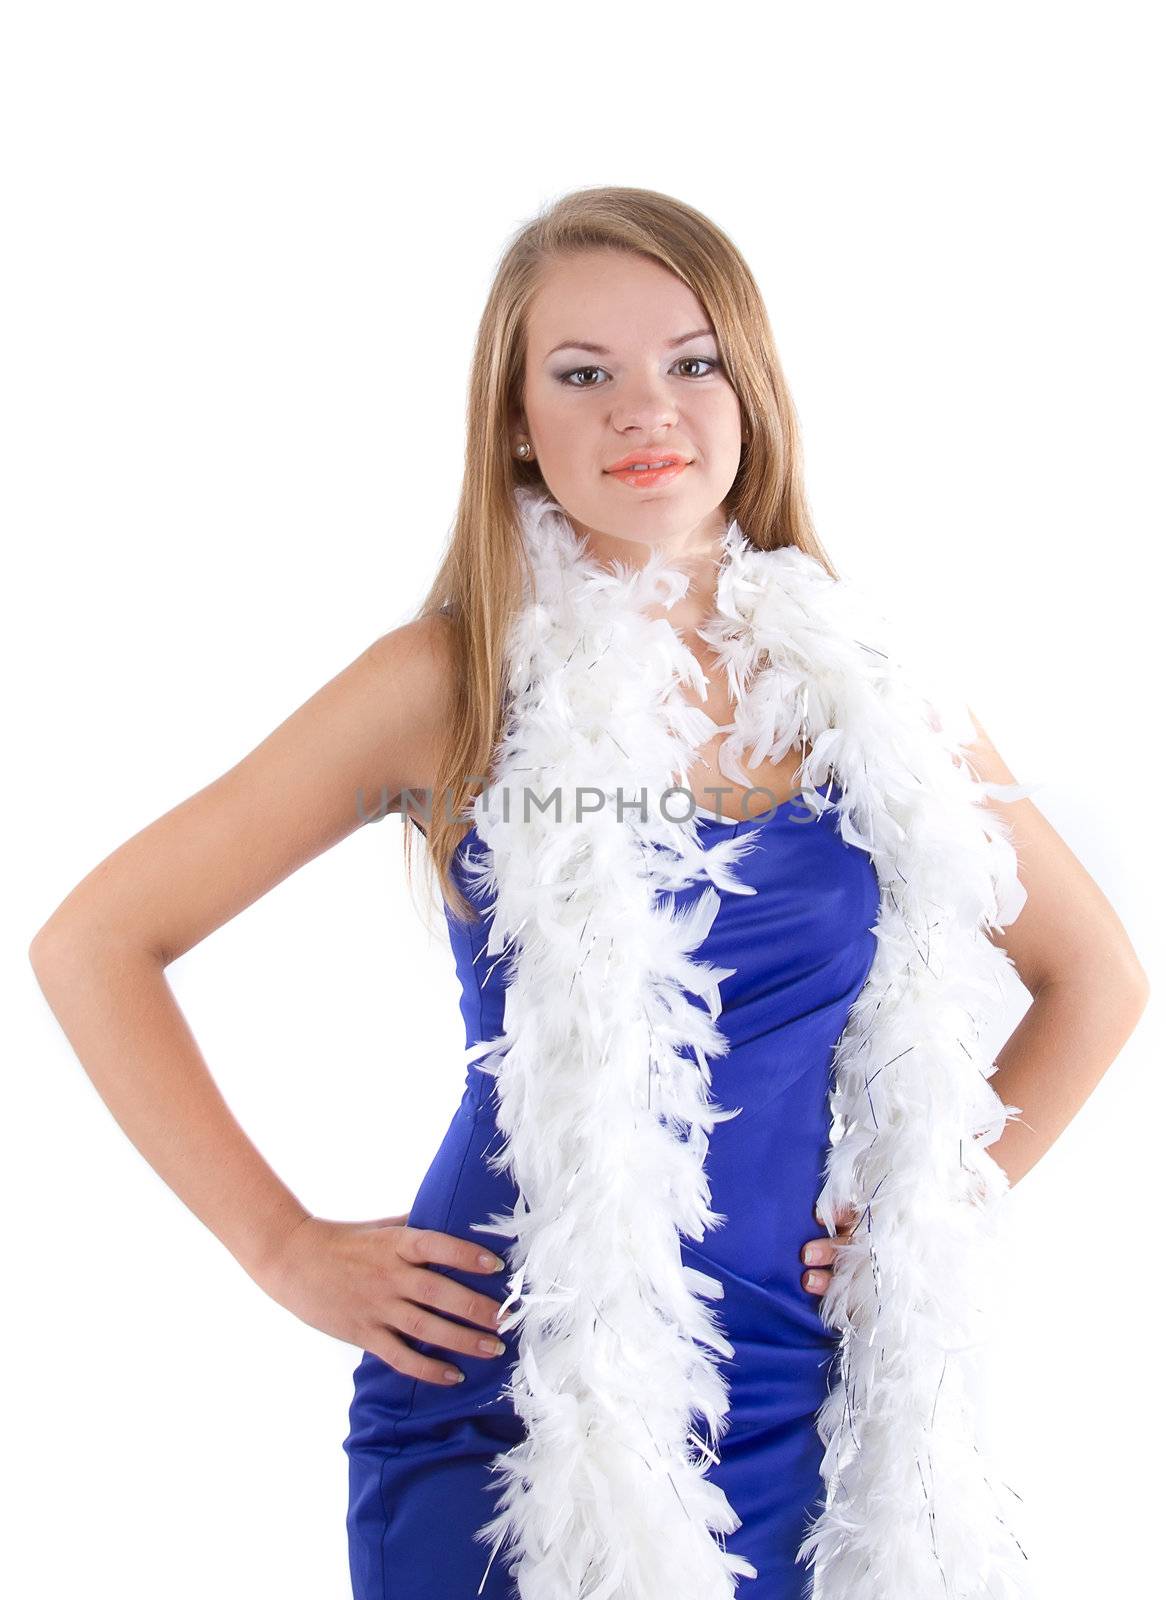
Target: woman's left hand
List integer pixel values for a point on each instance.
(818, 1254)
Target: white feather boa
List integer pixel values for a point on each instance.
(603, 1084)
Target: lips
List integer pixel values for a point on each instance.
(645, 458)
(640, 472)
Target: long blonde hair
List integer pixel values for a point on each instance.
(480, 583)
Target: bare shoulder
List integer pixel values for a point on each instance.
(1067, 925)
(415, 666)
(336, 763)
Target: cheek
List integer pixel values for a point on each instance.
(721, 415)
(553, 421)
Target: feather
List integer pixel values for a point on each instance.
(603, 1084)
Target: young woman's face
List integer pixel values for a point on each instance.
(646, 381)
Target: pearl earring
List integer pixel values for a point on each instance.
(522, 450)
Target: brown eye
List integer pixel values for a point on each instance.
(700, 361)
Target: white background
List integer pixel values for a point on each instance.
(246, 249)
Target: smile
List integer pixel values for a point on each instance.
(644, 475)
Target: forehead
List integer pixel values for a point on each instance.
(610, 298)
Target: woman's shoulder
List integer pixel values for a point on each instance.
(429, 640)
(418, 665)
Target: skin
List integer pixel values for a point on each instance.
(582, 411)
(1068, 946)
(101, 957)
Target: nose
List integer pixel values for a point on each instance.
(644, 405)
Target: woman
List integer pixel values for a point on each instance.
(627, 408)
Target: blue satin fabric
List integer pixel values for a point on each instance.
(419, 1452)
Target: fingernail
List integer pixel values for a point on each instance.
(815, 1280)
(812, 1255)
(453, 1376)
(491, 1263)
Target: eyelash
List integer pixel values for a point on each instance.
(564, 377)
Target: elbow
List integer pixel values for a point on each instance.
(1139, 989)
(48, 951)
(72, 940)
(43, 941)
(1116, 981)
(1132, 978)
(58, 945)
(1127, 992)
(1136, 999)
(59, 934)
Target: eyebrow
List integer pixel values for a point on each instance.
(601, 350)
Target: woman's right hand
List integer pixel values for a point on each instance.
(369, 1284)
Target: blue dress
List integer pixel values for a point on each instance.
(419, 1452)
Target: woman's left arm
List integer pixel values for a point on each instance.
(1088, 991)
(1074, 957)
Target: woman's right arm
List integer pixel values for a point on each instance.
(100, 958)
